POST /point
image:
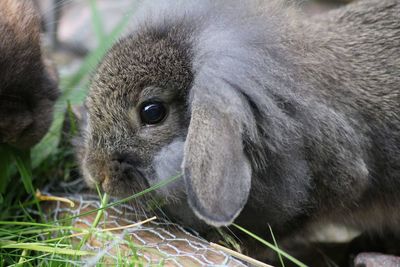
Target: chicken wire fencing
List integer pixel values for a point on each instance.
(155, 243)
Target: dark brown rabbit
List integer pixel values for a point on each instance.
(28, 88)
(271, 117)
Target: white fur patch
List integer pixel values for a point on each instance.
(167, 163)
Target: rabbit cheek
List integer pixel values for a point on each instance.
(167, 163)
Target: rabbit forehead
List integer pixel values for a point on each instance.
(150, 59)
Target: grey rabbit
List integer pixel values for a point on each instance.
(271, 117)
(28, 83)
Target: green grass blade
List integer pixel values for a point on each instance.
(97, 22)
(276, 245)
(96, 221)
(23, 162)
(44, 248)
(271, 246)
(72, 120)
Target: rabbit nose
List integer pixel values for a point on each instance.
(123, 159)
(125, 167)
(124, 164)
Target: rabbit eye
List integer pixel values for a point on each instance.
(153, 112)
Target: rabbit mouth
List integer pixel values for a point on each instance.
(124, 181)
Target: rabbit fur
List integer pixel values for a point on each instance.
(272, 117)
(28, 83)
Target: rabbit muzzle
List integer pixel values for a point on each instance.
(119, 174)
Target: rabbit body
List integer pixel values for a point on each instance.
(271, 117)
(28, 87)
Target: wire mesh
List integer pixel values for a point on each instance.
(158, 242)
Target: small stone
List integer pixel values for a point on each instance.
(376, 260)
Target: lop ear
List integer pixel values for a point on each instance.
(216, 171)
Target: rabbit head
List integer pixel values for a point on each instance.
(171, 98)
(28, 85)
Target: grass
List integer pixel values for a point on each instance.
(274, 247)
(28, 240)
